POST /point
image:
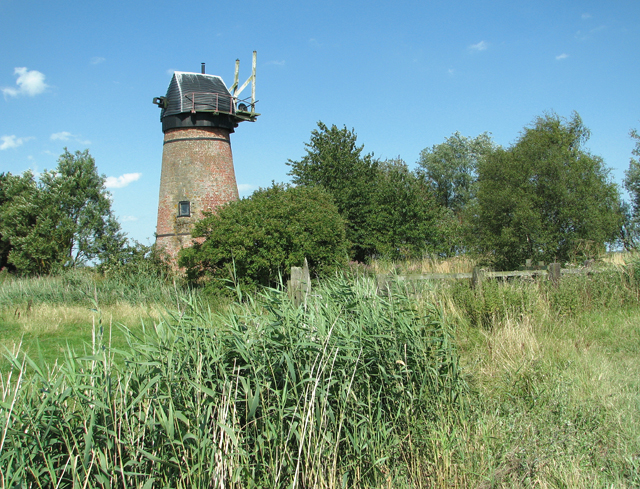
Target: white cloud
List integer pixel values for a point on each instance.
(66, 136)
(481, 46)
(586, 16)
(277, 63)
(96, 60)
(61, 136)
(29, 83)
(128, 218)
(562, 56)
(245, 189)
(12, 141)
(122, 180)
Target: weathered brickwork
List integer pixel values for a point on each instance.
(197, 167)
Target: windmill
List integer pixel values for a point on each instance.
(198, 115)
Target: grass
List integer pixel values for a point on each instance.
(53, 312)
(337, 393)
(535, 386)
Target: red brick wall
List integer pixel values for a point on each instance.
(197, 166)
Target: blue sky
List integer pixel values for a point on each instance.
(404, 75)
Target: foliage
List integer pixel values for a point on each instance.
(64, 219)
(337, 394)
(135, 260)
(632, 184)
(335, 162)
(389, 212)
(546, 198)
(18, 211)
(260, 238)
(403, 224)
(450, 168)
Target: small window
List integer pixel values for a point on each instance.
(184, 209)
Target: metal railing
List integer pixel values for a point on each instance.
(211, 102)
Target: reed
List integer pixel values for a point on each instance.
(338, 392)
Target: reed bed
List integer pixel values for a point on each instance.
(338, 392)
(84, 286)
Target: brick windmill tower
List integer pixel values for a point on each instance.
(198, 114)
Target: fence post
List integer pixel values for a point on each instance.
(300, 283)
(476, 278)
(554, 271)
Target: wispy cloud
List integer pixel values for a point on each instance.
(12, 141)
(128, 218)
(29, 83)
(246, 188)
(277, 63)
(61, 136)
(583, 36)
(96, 60)
(562, 56)
(586, 16)
(122, 180)
(314, 42)
(67, 136)
(481, 46)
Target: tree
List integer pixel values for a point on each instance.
(545, 198)
(19, 207)
(64, 219)
(335, 162)
(450, 168)
(403, 222)
(632, 184)
(262, 236)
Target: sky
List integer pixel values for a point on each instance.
(404, 75)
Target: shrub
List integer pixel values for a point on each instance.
(261, 237)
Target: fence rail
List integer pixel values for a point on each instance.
(553, 272)
(300, 283)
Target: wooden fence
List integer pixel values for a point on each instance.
(552, 272)
(300, 282)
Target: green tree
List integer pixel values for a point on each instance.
(450, 168)
(632, 184)
(262, 236)
(64, 219)
(19, 208)
(335, 162)
(403, 224)
(545, 198)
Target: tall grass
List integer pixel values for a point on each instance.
(339, 392)
(84, 286)
(351, 389)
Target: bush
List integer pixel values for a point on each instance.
(255, 240)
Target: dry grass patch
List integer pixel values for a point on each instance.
(511, 346)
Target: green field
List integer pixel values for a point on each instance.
(522, 384)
